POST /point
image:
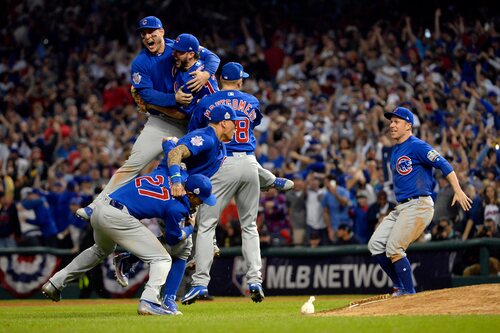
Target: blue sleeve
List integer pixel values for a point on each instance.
(420, 47)
(198, 119)
(32, 204)
(196, 142)
(167, 146)
(172, 232)
(431, 157)
(482, 155)
(141, 81)
(258, 114)
(487, 105)
(210, 59)
(324, 200)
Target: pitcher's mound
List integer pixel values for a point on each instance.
(479, 299)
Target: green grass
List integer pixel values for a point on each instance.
(228, 315)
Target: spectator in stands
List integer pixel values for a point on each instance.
(274, 215)
(443, 230)
(296, 204)
(42, 217)
(474, 217)
(335, 205)
(317, 231)
(10, 230)
(345, 236)
(489, 230)
(379, 210)
(443, 210)
(491, 204)
(359, 215)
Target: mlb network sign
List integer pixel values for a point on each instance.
(324, 275)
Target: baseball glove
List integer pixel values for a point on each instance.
(143, 107)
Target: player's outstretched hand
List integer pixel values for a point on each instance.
(177, 190)
(463, 200)
(182, 98)
(200, 78)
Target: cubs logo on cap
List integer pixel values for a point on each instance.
(150, 22)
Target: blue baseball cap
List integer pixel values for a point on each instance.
(186, 43)
(223, 112)
(149, 22)
(233, 71)
(201, 186)
(402, 113)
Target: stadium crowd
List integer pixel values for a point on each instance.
(67, 120)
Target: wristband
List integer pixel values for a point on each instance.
(175, 173)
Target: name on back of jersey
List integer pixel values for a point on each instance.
(237, 105)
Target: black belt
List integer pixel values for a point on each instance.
(412, 198)
(116, 204)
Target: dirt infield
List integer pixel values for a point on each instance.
(479, 299)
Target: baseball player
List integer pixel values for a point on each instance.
(203, 152)
(187, 61)
(238, 177)
(411, 164)
(152, 80)
(116, 221)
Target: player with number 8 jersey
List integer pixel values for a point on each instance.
(238, 177)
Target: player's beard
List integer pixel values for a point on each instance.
(181, 64)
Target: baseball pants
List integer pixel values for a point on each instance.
(238, 177)
(113, 226)
(401, 227)
(146, 148)
(266, 177)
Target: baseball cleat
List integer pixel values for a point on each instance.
(193, 294)
(121, 273)
(256, 292)
(147, 308)
(84, 213)
(283, 184)
(170, 305)
(50, 291)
